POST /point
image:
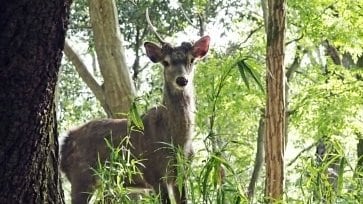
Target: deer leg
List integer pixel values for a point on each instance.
(180, 193)
(80, 193)
(81, 187)
(161, 189)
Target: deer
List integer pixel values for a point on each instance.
(172, 122)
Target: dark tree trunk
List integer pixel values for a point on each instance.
(275, 107)
(31, 42)
(258, 159)
(359, 167)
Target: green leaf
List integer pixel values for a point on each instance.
(241, 67)
(135, 117)
(254, 75)
(245, 69)
(340, 175)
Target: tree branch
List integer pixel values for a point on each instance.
(186, 16)
(300, 153)
(265, 13)
(293, 67)
(83, 72)
(332, 52)
(201, 24)
(119, 90)
(294, 40)
(251, 33)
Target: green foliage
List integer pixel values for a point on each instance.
(169, 17)
(134, 117)
(330, 180)
(325, 104)
(325, 101)
(245, 70)
(218, 182)
(220, 90)
(227, 119)
(150, 94)
(328, 104)
(114, 173)
(337, 21)
(77, 104)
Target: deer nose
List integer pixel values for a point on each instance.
(181, 81)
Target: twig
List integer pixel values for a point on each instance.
(301, 152)
(186, 17)
(86, 76)
(292, 68)
(294, 40)
(332, 52)
(251, 33)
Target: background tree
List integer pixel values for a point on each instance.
(114, 89)
(230, 97)
(325, 20)
(275, 107)
(117, 90)
(31, 42)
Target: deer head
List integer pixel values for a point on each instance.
(178, 61)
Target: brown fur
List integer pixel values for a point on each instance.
(170, 123)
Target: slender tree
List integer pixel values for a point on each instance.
(117, 91)
(275, 107)
(31, 42)
(113, 21)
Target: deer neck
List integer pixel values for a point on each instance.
(180, 108)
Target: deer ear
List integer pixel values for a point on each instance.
(201, 47)
(153, 51)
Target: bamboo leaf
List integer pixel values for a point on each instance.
(340, 175)
(207, 170)
(253, 74)
(135, 117)
(241, 67)
(247, 71)
(224, 162)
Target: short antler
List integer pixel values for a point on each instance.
(153, 28)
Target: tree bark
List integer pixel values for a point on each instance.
(31, 42)
(86, 76)
(359, 166)
(275, 111)
(258, 158)
(118, 88)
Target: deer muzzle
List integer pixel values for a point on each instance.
(181, 81)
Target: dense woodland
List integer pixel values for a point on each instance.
(105, 73)
(323, 93)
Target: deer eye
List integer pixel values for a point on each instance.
(192, 60)
(165, 63)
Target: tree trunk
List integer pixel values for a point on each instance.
(359, 166)
(31, 42)
(258, 159)
(86, 76)
(117, 91)
(275, 111)
(118, 87)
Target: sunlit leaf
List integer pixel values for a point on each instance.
(135, 117)
(245, 70)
